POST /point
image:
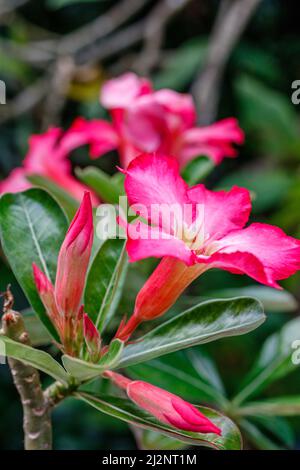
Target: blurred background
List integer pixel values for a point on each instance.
(238, 58)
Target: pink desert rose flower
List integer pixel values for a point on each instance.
(98, 134)
(164, 121)
(164, 406)
(211, 234)
(48, 156)
(63, 300)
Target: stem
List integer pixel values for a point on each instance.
(57, 392)
(36, 412)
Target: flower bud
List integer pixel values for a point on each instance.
(166, 407)
(92, 338)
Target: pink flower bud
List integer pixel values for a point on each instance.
(46, 293)
(166, 407)
(92, 338)
(73, 260)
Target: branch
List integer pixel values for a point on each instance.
(25, 101)
(36, 413)
(230, 23)
(154, 33)
(11, 5)
(99, 28)
(58, 86)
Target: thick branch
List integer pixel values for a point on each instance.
(230, 23)
(36, 419)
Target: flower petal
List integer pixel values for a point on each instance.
(122, 91)
(261, 251)
(97, 133)
(216, 141)
(179, 105)
(223, 211)
(145, 241)
(15, 182)
(154, 184)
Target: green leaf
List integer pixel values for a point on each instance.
(105, 282)
(273, 363)
(35, 358)
(125, 410)
(206, 322)
(272, 300)
(67, 202)
(83, 370)
(32, 229)
(197, 170)
(257, 437)
(109, 188)
(150, 440)
(38, 334)
(280, 406)
(278, 428)
(267, 185)
(269, 116)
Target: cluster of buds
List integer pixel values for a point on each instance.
(62, 301)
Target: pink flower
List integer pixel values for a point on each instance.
(164, 121)
(210, 234)
(164, 406)
(63, 301)
(98, 134)
(15, 182)
(92, 338)
(47, 156)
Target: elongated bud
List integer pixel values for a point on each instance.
(92, 338)
(45, 289)
(166, 407)
(73, 260)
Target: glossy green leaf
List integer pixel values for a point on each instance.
(151, 440)
(83, 370)
(107, 187)
(274, 361)
(206, 322)
(105, 281)
(35, 358)
(197, 170)
(125, 410)
(32, 230)
(65, 200)
(279, 406)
